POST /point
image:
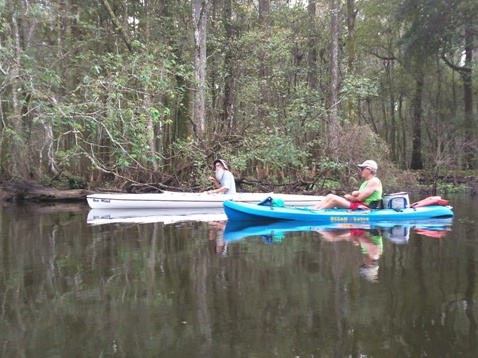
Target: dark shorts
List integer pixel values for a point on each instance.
(354, 205)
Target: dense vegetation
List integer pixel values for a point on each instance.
(288, 92)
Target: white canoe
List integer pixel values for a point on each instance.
(174, 200)
(145, 216)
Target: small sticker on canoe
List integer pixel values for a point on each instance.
(101, 200)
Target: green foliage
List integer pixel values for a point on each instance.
(271, 153)
(273, 149)
(449, 188)
(125, 96)
(86, 101)
(362, 88)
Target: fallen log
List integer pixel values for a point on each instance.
(16, 193)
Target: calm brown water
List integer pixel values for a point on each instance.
(71, 289)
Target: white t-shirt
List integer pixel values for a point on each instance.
(228, 182)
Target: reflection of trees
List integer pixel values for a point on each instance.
(96, 283)
(471, 274)
(149, 289)
(199, 273)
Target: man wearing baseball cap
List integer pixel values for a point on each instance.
(368, 195)
(223, 180)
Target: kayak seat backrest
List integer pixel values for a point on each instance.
(272, 202)
(266, 202)
(377, 204)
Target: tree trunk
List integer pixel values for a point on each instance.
(117, 25)
(17, 160)
(312, 54)
(466, 73)
(198, 100)
(264, 71)
(229, 78)
(417, 162)
(467, 76)
(334, 125)
(148, 103)
(351, 15)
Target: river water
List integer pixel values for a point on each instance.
(71, 287)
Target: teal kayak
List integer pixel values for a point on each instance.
(246, 211)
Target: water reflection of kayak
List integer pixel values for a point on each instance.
(397, 232)
(143, 216)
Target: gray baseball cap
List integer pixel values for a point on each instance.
(372, 164)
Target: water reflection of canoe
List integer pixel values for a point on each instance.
(175, 200)
(245, 211)
(395, 231)
(143, 216)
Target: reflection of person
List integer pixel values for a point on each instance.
(223, 180)
(372, 248)
(371, 244)
(368, 195)
(216, 233)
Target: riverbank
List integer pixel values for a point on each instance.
(29, 191)
(33, 192)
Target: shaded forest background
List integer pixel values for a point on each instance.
(291, 94)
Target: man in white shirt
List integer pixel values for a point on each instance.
(224, 180)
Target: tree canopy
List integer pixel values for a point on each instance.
(287, 92)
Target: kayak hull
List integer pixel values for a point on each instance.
(251, 212)
(174, 200)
